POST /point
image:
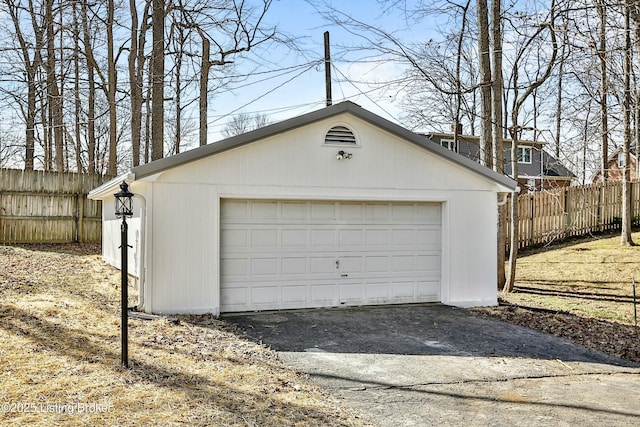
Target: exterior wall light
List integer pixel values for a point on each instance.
(124, 209)
(343, 155)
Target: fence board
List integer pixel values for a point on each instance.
(49, 207)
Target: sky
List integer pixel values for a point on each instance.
(302, 90)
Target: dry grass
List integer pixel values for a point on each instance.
(581, 290)
(591, 277)
(60, 357)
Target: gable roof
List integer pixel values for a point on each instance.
(166, 163)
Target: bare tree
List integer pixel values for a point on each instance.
(515, 128)
(497, 130)
(157, 78)
(30, 55)
(91, 90)
(236, 28)
(484, 55)
(604, 84)
(244, 122)
(625, 237)
(111, 90)
(136, 64)
(54, 99)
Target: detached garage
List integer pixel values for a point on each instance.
(336, 207)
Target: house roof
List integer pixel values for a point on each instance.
(476, 139)
(161, 165)
(166, 163)
(553, 167)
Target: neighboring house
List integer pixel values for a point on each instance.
(331, 208)
(616, 164)
(537, 169)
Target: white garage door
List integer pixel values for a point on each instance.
(300, 254)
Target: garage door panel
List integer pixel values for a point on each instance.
(377, 237)
(403, 291)
(295, 295)
(323, 294)
(429, 215)
(265, 295)
(377, 263)
(351, 292)
(264, 266)
(350, 264)
(323, 238)
(428, 290)
(428, 263)
(323, 211)
(403, 263)
(234, 267)
(294, 266)
(234, 297)
(323, 265)
(298, 254)
(378, 212)
(350, 211)
(351, 237)
(295, 238)
(378, 293)
(294, 211)
(264, 210)
(428, 237)
(265, 238)
(234, 209)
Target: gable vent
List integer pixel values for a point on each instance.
(340, 135)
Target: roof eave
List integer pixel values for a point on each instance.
(110, 187)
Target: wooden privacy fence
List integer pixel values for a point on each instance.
(49, 207)
(573, 211)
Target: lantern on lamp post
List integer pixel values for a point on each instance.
(124, 209)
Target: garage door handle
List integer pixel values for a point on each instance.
(344, 275)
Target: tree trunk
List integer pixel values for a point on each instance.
(54, 100)
(91, 93)
(30, 71)
(204, 85)
(486, 151)
(604, 113)
(514, 129)
(157, 70)
(135, 89)
(178, 90)
(497, 129)
(76, 88)
(625, 237)
(111, 92)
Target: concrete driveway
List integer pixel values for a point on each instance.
(422, 365)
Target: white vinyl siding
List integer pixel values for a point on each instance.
(301, 254)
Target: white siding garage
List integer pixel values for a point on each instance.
(335, 207)
(300, 254)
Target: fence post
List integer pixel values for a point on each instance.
(566, 218)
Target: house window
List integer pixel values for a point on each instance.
(524, 154)
(448, 144)
(340, 135)
(620, 160)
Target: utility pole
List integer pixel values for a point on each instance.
(327, 68)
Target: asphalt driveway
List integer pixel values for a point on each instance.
(422, 365)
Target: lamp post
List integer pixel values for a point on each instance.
(124, 209)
